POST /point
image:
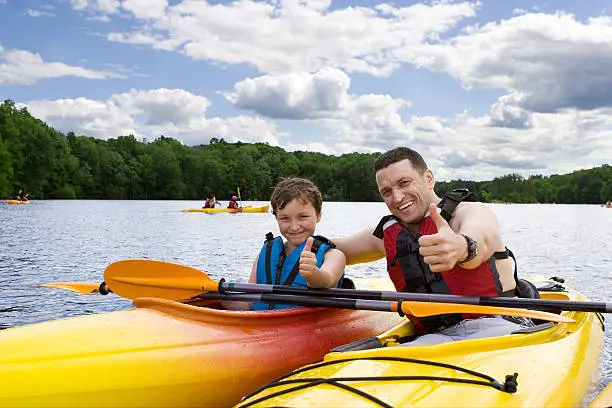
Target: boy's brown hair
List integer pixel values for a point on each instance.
(295, 188)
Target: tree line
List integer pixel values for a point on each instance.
(36, 158)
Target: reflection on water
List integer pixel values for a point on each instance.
(76, 240)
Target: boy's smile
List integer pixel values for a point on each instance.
(297, 221)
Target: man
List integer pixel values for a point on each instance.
(463, 254)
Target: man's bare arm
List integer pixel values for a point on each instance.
(479, 222)
(361, 247)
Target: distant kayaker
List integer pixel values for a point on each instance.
(211, 201)
(442, 245)
(233, 203)
(302, 259)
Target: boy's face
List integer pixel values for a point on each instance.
(297, 221)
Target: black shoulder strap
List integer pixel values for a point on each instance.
(451, 199)
(269, 242)
(378, 231)
(318, 240)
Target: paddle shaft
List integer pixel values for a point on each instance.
(419, 309)
(340, 303)
(547, 305)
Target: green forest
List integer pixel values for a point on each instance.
(37, 159)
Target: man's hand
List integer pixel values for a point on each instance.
(442, 251)
(308, 261)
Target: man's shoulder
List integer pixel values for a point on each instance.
(470, 210)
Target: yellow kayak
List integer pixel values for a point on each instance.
(247, 209)
(168, 354)
(555, 364)
(17, 202)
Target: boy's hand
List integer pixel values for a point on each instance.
(308, 261)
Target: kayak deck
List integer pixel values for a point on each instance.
(556, 367)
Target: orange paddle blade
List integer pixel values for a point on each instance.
(421, 309)
(136, 278)
(78, 287)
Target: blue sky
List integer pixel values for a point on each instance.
(481, 89)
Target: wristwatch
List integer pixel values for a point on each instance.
(472, 249)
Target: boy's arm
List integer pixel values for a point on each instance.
(330, 272)
(236, 305)
(253, 277)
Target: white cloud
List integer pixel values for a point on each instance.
(26, 68)
(470, 148)
(163, 106)
(146, 9)
(280, 37)
(103, 6)
(100, 119)
(39, 13)
(547, 61)
(174, 113)
(298, 95)
(373, 121)
(507, 112)
(79, 4)
(323, 98)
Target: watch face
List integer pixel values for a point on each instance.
(472, 249)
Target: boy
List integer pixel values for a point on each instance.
(301, 260)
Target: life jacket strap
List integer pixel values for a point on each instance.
(451, 200)
(318, 240)
(269, 244)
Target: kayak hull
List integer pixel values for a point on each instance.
(248, 209)
(167, 354)
(556, 366)
(17, 202)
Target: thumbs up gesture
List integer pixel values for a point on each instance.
(308, 260)
(442, 250)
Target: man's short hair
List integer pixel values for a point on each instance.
(398, 154)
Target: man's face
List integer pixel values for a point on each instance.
(406, 192)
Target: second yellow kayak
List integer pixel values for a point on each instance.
(555, 366)
(247, 209)
(17, 202)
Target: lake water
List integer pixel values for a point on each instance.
(59, 240)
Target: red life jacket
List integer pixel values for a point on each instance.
(232, 204)
(410, 273)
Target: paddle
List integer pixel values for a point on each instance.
(239, 199)
(148, 278)
(137, 278)
(418, 309)
(79, 287)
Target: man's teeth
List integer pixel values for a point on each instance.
(404, 206)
